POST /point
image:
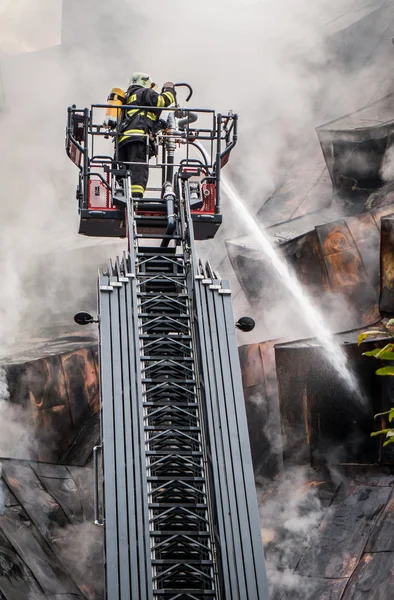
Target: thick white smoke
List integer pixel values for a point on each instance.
(387, 171)
(269, 61)
(27, 26)
(291, 512)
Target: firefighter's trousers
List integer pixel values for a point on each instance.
(135, 151)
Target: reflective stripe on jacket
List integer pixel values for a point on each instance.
(140, 121)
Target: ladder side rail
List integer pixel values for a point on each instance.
(218, 500)
(128, 386)
(139, 450)
(108, 441)
(136, 459)
(121, 451)
(229, 474)
(224, 374)
(226, 546)
(236, 429)
(252, 510)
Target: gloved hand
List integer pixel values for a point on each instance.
(168, 84)
(109, 122)
(159, 125)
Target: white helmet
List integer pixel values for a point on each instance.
(141, 79)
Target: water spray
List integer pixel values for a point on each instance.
(329, 346)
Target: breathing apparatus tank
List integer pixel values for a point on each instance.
(112, 113)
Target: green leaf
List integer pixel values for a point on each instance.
(391, 415)
(372, 352)
(385, 353)
(390, 322)
(385, 371)
(385, 356)
(363, 336)
(382, 414)
(390, 441)
(388, 348)
(381, 432)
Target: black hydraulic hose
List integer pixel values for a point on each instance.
(203, 155)
(163, 168)
(169, 197)
(189, 87)
(234, 141)
(170, 168)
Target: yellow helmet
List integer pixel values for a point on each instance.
(141, 79)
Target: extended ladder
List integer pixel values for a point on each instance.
(181, 518)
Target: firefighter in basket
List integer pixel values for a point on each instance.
(136, 141)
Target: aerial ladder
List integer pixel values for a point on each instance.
(178, 502)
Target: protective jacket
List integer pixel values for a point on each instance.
(138, 122)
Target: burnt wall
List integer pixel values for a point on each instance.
(262, 407)
(323, 420)
(59, 399)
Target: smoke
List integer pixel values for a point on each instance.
(291, 512)
(16, 440)
(80, 547)
(21, 25)
(269, 61)
(387, 171)
(2, 497)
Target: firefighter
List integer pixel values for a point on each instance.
(138, 127)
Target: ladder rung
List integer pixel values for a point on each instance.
(149, 295)
(190, 532)
(169, 478)
(161, 218)
(178, 404)
(166, 380)
(169, 452)
(157, 236)
(188, 505)
(170, 428)
(168, 357)
(193, 561)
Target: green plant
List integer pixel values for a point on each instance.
(389, 433)
(386, 353)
